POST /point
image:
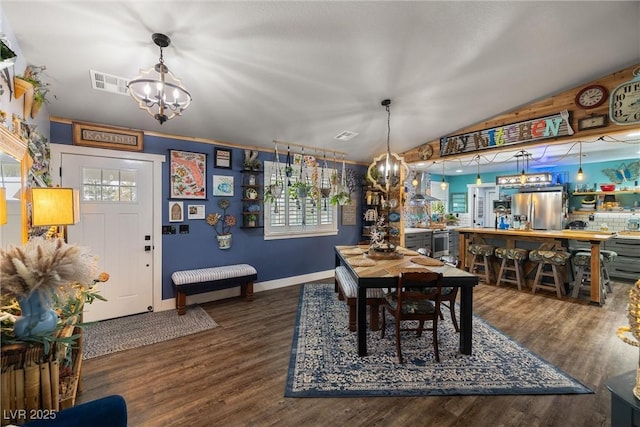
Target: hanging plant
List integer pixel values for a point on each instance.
(341, 196)
(300, 190)
(40, 89)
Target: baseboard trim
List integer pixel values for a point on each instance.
(170, 304)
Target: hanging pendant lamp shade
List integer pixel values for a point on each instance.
(157, 90)
(580, 176)
(443, 183)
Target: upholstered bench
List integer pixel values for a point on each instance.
(348, 290)
(189, 282)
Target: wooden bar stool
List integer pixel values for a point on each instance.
(582, 264)
(607, 258)
(512, 260)
(481, 260)
(552, 259)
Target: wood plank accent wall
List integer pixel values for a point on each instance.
(548, 106)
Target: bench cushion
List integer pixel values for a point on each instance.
(212, 274)
(350, 287)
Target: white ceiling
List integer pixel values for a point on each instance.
(305, 71)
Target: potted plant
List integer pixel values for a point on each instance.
(225, 221)
(273, 192)
(300, 189)
(251, 220)
(341, 198)
(451, 219)
(35, 90)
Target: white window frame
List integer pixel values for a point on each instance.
(273, 232)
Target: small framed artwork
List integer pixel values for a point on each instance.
(89, 135)
(222, 185)
(176, 212)
(349, 214)
(188, 173)
(195, 212)
(222, 158)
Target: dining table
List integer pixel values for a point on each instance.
(380, 270)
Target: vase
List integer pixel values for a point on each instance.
(224, 241)
(21, 87)
(35, 107)
(38, 318)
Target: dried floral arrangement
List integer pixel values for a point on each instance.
(49, 265)
(225, 220)
(67, 273)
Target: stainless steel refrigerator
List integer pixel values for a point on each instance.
(543, 207)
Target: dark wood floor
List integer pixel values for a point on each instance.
(234, 375)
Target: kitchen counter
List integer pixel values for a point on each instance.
(627, 234)
(543, 234)
(548, 238)
(415, 230)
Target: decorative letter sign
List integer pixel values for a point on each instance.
(515, 133)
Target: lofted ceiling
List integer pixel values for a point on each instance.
(305, 71)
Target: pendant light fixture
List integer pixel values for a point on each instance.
(415, 182)
(580, 176)
(443, 183)
(478, 179)
(387, 169)
(157, 90)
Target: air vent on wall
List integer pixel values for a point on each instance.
(346, 135)
(108, 82)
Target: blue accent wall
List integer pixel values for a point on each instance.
(274, 259)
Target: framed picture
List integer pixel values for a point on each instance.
(349, 214)
(188, 173)
(222, 185)
(176, 212)
(114, 138)
(195, 212)
(222, 158)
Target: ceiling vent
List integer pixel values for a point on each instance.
(346, 135)
(108, 83)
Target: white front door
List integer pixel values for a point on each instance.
(116, 223)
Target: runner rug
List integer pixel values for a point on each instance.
(325, 363)
(123, 333)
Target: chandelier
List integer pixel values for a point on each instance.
(157, 90)
(525, 179)
(386, 169)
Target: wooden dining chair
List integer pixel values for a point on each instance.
(416, 297)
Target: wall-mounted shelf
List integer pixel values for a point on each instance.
(252, 202)
(604, 193)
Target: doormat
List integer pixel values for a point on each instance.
(123, 333)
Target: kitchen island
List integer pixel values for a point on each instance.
(551, 239)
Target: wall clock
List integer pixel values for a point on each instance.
(591, 96)
(425, 152)
(593, 122)
(624, 105)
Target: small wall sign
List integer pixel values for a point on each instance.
(511, 134)
(114, 138)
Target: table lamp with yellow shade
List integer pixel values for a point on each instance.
(3, 205)
(54, 207)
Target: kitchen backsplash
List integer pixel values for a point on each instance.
(613, 221)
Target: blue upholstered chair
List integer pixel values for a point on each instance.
(110, 411)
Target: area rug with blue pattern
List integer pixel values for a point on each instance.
(325, 363)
